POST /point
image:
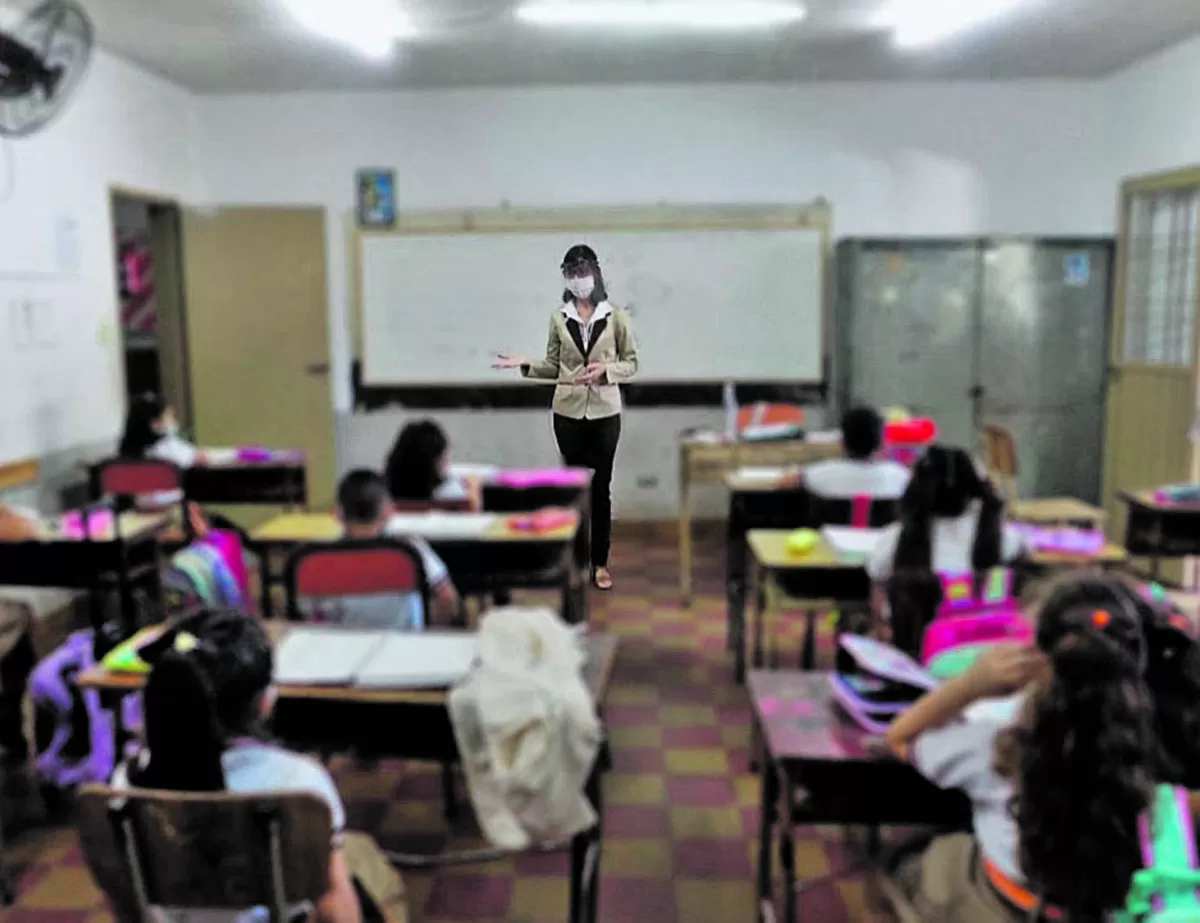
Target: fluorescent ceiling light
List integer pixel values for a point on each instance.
(921, 23)
(370, 27)
(654, 14)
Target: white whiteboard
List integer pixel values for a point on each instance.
(707, 305)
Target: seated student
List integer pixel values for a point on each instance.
(1057, 791)
(861, 472)
(364, 509)
(418, 469)
(951, 521)
(204, 712)
(151, 432)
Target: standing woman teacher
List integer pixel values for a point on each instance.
(591, 350)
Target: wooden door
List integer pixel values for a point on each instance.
(258, 336)
(1152, 399)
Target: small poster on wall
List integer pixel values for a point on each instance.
(376, 197)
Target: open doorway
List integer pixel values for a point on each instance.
(147, 238)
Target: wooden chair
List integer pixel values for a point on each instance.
(1000, 459)
(212, 851)
(354, 567)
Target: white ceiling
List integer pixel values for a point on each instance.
(219, 46)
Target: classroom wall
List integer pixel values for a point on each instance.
(64, 393)
(1150, 119)
(893, 159)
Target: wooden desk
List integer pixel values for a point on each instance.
(410, 725)
(1056, 511)
(755, 504)
(1159, 530)
(781, 576)
(499, 559)
(501, 498)
(822, 575)
(705, 461)
(105, 560)
(827, 770)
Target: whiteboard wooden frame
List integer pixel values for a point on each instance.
(816, 216)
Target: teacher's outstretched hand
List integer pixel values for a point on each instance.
(590, 351)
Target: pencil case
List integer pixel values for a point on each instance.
(885, 682)
(547, 520)
(521, 478)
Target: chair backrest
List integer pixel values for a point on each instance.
(1000, 458)
(861, 512)
(354, 567)
(218, 851)
(136, 477)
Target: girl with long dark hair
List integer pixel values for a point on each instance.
(1059, 792)
(151, 432)
(418, 469)
(205, 707)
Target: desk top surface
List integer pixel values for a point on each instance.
(602, 655)
(769, 547)
(133, 527)
(324, 527)
(801, 721)
(1147, 500)
(1052, 510)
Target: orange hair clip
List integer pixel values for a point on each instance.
(1101, 618)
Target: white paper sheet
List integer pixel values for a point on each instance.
(851, 543)
(441, 525)
(474, 471)
(760, 475)
(324, 657)
(823, 436)
(430, 660)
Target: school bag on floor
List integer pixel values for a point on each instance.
(1167, 890)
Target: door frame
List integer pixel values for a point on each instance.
(172, 239)
(1132, 186)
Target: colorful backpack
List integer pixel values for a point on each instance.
(1167, 890)
(72, 730)
(968, 622)
(210, 572)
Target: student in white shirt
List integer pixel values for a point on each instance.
(205, 705)
(861, 472)
(951, 522)
(1057, 792)
(152, 432)
(418, 469)
(364, 509)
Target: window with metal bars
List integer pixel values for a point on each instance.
(1160, 278)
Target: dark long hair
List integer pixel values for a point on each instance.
(1083, 757)
(139, 435)
(197, 700)
(412, 466)
(1173, 675)
(599, 291)
(945, 482)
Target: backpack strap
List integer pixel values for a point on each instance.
(860, 511)
(1169, 886)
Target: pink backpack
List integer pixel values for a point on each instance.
(968, 622)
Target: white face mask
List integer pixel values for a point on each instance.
(581, 287)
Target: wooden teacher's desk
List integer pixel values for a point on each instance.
(708, 459)
(500, 558)
(403, 724)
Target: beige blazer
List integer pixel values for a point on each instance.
(612, 343)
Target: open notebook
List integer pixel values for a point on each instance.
(374, 659)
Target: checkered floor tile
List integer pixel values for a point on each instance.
(681, 815)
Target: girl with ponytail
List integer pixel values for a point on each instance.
(1057, 792)
(204, 709)
(951, 521)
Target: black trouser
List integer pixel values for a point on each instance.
(15, 668)
(593, 444)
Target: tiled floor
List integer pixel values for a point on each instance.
(682, 809)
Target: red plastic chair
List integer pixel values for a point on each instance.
(128, 480)
(354, 567)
